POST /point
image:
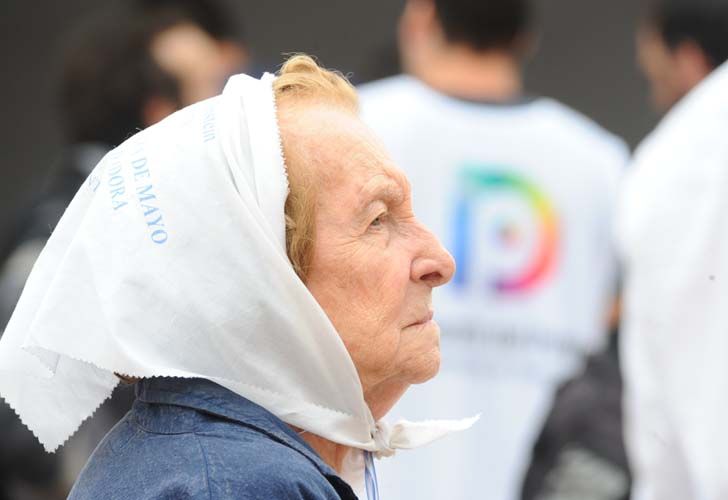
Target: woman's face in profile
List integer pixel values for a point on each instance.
(373, 265)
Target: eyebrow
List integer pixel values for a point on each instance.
(390, 189)
(390, 192)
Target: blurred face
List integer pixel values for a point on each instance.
(374, 264)
(656, 62)
(671, 72)
(200, 64)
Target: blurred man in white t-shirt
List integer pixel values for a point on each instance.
(673, 233)
(521, 190)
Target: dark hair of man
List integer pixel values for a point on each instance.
(210, 15)
(484, 24)
(109, 75)
(704, 22)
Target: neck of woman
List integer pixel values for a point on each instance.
(331, 453)
(380, 398)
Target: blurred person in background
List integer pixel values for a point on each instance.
(679, 44)
(580, 451)
(125, 69)
(673, 234)
(232, 54)
(526, 188)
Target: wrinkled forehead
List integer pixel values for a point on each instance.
(336, 147)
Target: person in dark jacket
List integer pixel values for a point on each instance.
(580, 451)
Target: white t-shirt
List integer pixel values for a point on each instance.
(522, 195)
(673, 233)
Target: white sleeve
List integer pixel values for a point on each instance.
(657, 463)
(697, 328)
(675, 349)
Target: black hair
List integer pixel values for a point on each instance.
(210, 15)
(704, 22)
(484, 24)
(109, 74)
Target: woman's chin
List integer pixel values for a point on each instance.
(424, 362)
(426, 366)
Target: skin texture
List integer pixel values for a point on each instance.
(374, 264)
(671, 72)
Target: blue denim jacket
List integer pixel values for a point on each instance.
(193, 439)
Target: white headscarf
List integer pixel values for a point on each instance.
(171, 261)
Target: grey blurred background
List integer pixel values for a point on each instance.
(586, 59)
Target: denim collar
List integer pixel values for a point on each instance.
(208, 397)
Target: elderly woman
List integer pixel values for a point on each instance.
(271, 311)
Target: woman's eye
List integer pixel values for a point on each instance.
(377, 222)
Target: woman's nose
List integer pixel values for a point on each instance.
(433, 265)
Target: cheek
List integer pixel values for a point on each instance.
(364, 294)
(375, 295)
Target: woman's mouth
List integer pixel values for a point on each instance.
(424, 319)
